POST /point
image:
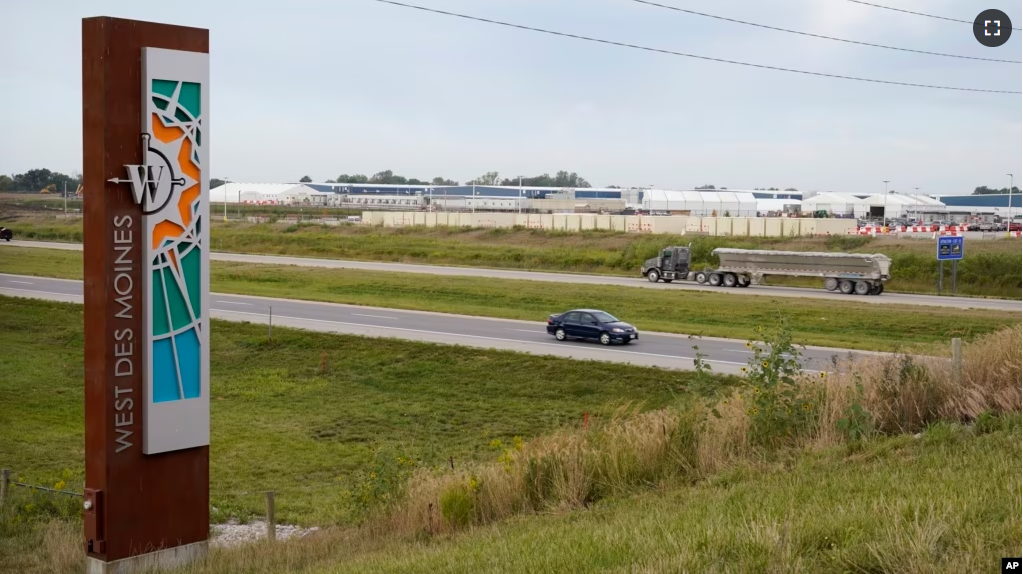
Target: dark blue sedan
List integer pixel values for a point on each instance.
(590, 324)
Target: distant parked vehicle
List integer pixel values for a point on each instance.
(591, 324)
(1015, 226)
(6, 234)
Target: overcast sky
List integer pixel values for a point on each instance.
(325, 87)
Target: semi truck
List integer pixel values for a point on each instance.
(862, 274)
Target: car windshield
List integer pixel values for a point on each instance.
(604, 317)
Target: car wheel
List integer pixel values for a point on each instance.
(653, 276)
(605, 339)
(560, 335)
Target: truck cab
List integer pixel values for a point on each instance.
(670, 264)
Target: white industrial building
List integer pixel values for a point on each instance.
(267, 194)
(834, 204)
(701, 203)
(896, 205)
(767, 205)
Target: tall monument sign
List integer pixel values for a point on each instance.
(146, 112)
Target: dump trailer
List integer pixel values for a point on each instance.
(863, 274)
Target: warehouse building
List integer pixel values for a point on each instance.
(984, 205)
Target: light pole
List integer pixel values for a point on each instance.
(225, 198)
(1010, 201)
(884, 214)
(520, 194)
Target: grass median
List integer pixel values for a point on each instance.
(300, 412)
(664, 492)
(990, 269)
(852, 324)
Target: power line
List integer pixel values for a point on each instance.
(819, 35)
(673, 53)
(914, 13)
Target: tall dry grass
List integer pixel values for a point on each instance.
(575, 467)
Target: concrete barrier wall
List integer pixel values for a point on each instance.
(789, 227)
(664, 225)
(757, 227)
(672, 225)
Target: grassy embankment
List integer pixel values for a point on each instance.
(840, 324)
(990, 269)
(654, 490)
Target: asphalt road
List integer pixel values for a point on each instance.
(653, 349)
(886, 298)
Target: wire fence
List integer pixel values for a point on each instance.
(268, 502)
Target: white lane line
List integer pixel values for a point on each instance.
(519, 341)
(45, 292)
(375, 316)
(22, 282)
(234, 303)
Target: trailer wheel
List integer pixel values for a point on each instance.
(714, 279)
(653, 276)
(729, 280)
(701, 277)
(875, 289)
(846, 287)
(743, 281)
(862, 287)
(880, 288)
(831, 283)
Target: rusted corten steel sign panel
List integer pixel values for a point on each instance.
(145, 102)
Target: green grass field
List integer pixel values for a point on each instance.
(947, 503)
(992, 268)
(279, 423)
(816, 322)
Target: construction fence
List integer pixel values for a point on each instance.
(669, 224)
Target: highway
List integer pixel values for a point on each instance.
(763, 290)
(653, 349)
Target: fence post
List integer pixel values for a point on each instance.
(271, 518)
(5, 479)
(957, 358)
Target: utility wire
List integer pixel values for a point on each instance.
(914, 13)
(820, 36)
(673, 53)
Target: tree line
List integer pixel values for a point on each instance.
(560, 179)
(985, 190)
(38, 180)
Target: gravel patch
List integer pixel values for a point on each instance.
(234, 534)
